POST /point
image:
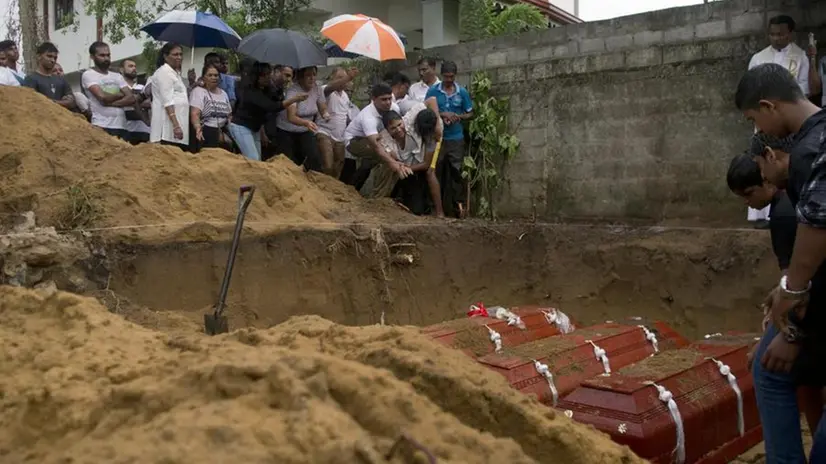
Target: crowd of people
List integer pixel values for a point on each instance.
(783, 173)
(408, 143)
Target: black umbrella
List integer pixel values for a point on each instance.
(280, 46)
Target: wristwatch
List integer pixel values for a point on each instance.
(793, 294)
(792, 334)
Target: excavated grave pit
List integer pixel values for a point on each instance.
(698, 280)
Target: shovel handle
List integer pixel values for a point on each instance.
(245, 194)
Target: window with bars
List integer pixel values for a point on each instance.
(64, 11)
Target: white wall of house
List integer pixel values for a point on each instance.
(571, 6)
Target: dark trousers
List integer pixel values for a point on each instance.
(449, 173)
(119, 133)
(413, 192)
(301, 147)
(212, 139)
(136, 138)
(348, 172)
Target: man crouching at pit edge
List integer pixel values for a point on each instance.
(769, 96)
(745, 179)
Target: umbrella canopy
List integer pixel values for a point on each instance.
(193, 29)
(365, 36)
(334, 51)
(280, 46)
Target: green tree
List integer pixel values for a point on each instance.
(125, 17)
(480, 19)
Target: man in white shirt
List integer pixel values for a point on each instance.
(400, 85)
(9, 48)
(6, 76)
(783, 51)
(107, 91)
(361, 139)
(428, 78)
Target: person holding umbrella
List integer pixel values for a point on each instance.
(170, 101)
(256, 100)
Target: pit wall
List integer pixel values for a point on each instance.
(631, 117)
(700, 281)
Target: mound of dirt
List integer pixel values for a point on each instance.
(72, 175)
(79, 384)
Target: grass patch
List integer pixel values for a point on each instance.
(82, 209)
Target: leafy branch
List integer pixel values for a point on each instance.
(481, 19)
(491, 146)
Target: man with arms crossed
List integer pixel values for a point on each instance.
(108, 92)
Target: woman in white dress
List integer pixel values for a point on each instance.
(170, 102)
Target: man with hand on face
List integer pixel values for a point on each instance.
(47, 81)
(108, 92)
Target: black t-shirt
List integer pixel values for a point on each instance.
(54, 87)
(783, 226)
(808, 369)
(254, 106)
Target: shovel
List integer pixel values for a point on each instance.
(216, 323)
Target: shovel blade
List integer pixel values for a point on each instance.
(215, 325)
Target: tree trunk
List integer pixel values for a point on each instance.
(32, 31)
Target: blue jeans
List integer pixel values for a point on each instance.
(248, 142)
(776, 394)
(818, 454)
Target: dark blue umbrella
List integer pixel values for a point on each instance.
(334, 51)
(193, 29)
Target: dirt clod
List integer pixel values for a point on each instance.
(663, 364)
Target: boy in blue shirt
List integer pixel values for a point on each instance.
(454, 105)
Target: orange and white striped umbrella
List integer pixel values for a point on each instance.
(364, 36)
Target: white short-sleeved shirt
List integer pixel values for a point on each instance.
(338, 105)
(366, 124)
(7, 77)
(215, 106)
(307, 109)
(108, 117)
(418, 91)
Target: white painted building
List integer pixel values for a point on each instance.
(426, 23)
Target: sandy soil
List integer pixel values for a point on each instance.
(73, 175)
(80, 384)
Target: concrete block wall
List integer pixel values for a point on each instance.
(629, 118)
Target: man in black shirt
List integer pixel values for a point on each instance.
(745, 180)
(769, 96)
(46, 81)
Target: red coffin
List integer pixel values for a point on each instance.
(471, 336)
(628, 409)
(571, 359)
